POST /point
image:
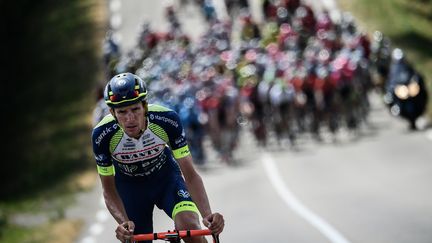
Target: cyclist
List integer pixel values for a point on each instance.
(143, 160)
(101, 109)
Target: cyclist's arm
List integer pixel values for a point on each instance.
(101, 137)
(178, 144)
(115, 205)
(195, 185)
(113, 200)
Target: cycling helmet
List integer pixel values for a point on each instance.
(124, 89)
(397, 54)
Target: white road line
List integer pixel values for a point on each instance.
(429, 134)
(102, 215)
(320, 224)
(88, 239)
(115, 5)
(115, 20)
(96, 229)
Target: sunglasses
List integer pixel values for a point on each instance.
(129, 95)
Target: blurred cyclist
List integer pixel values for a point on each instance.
(143, 160)
(101, 109)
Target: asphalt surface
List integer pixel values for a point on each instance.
(371, 187)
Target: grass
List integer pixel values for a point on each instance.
(408, 23)
(51, 203)
(62, 231)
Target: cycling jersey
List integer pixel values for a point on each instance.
(145, 169)
(128, 157)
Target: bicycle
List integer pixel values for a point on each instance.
(174, 236)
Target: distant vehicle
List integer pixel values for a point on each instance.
(406, 94)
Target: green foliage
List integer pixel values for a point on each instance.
(50, 232)
(53, 65)
(16, 234)
(408, 23)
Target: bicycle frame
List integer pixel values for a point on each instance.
(175, 236)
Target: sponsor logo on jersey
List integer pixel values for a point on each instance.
(145, 168)
(100, 157)
(104, 133)
(186, 151)
(134, 156)
(164, 119)
(128, 168)
(183, 194)
(129, 144)
(146, 136)
(148, 142)
(179, 140)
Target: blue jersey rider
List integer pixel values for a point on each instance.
(143, 160)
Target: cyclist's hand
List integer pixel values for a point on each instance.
(215, 222)
(125, 231)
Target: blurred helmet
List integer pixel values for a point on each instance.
(397, 54)
(124, 89)
(245, 16)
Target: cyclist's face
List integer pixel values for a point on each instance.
(131, 119)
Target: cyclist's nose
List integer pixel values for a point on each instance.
(130, 116)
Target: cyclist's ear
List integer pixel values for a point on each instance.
(113, 113)
(145, 104)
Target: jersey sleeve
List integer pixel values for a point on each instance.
(100, 140)
(177, 138)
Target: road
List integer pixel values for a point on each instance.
(374, 187)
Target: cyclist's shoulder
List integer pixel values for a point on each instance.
(156, 108)
(106, 126)
(104, 131)
(105, 121)
(162, 115)
(156, 111)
